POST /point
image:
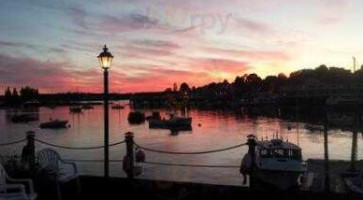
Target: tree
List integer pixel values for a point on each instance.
(7, 96)
(239, 86)
(175, 87)
(253, 82)
(184, 88)
(27, 93)
(15, 97)
(15, 93)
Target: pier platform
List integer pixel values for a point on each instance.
(319, 174)
(121, 188)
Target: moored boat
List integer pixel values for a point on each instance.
(87, 106)
(136, 117)
(277, 163)
(75, 109)
(118, 107)
(54, 124)
(313, 128)
(174, 122)
(24, 118)
(154, 115)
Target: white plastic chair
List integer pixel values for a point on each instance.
(62, 171)
(15, 190)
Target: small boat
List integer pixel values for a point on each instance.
(87, 106)
(277, 163)
(118, 107)
(155, 115)
(175, 122)
(136, 117)
(24, 118)
(75, 109)
(54, 124)
(313, 128)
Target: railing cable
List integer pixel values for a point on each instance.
(190, 165)
(11, 143)
(78, 160)
(198, 152)
(77, 148)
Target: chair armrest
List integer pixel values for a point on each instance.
(29, 182)
(16, 186)
(71, 163)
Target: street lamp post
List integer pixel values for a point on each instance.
(105, 60)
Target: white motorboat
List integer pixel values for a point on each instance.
(278, 163)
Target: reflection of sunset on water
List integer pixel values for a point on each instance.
(211, 130)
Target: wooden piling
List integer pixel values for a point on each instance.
(129, 139)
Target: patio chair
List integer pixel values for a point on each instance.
(59, 170)
(14, 189)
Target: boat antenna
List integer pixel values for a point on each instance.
(354, 63)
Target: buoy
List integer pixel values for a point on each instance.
(140, 156)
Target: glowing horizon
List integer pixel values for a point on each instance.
(53, 45)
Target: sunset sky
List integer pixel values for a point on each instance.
(53, 44)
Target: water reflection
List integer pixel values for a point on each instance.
(211, 129)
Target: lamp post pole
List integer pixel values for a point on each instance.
(105, 60)
(106, 122)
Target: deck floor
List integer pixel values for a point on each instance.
(120, 188)
(315, 179)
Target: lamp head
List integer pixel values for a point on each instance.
(105, 58)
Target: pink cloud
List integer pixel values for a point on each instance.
(25, 71)
(220, 65)
(62, 77)
(333, 11)
(251, 54)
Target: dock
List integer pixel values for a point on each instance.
(317, 177)
(122, 188)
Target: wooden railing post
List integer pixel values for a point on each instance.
(28, 153)
(251, 142)
(129, 162)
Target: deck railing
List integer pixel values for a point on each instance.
(129, 159)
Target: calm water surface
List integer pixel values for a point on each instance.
(211, 130)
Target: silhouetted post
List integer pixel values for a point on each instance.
(105, 59)
(28, 153)
(129, 139)
(356, 125)
(326, 156)
(251, 142)
(353, 167)
(106, 122)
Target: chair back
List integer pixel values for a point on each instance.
(2, 179)
(48, 159)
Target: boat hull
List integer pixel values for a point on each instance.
(171, 124)
(54, 125)
(282, 180)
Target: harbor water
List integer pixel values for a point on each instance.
(213, 129)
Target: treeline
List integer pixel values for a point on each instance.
(28, 95)
(249, 84)
(13, 97)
